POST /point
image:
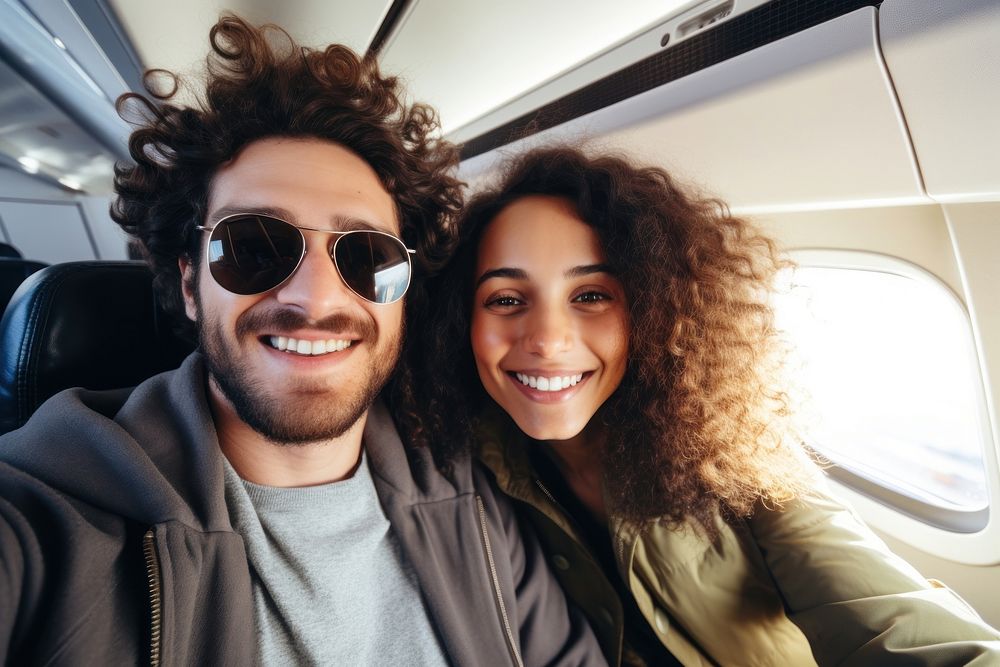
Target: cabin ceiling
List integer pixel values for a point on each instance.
(464, 58)
(173, 35)
(468, 58)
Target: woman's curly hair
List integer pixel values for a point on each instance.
(261, 84)
(697, 425)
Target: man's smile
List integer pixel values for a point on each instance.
(307, 347)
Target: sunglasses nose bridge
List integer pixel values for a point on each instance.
(316, 285)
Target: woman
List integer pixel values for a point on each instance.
(622, 333)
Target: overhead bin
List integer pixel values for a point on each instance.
(807, 121)
(944, 58)
(29, 49)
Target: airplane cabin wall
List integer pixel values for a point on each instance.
(51, 225)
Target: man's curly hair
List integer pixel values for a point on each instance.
(697, 425)
(260, 84)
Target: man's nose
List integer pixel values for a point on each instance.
(549, 332)
(316, 287)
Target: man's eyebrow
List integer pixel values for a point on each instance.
(273, 211)
(338, 222)
(348, 223)
(503, 272)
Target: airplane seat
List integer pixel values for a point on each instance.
(7, 250)
(92, 324)
(13, 271)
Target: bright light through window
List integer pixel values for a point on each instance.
(890, 368)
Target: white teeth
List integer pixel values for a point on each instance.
(309, 348)
(549, 384)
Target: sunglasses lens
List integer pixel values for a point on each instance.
(376, 266)
(250, 254)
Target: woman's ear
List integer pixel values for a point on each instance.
(188, 286)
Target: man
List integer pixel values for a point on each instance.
(257, 505)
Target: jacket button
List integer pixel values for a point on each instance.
(560, 562)
(662, 621)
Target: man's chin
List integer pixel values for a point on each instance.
(304, 416)
(294, 409)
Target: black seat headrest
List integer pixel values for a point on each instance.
(7, 250)
(13, 271)
(81, 324)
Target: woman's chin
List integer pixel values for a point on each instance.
(549, 431)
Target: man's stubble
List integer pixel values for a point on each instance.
(296, 414)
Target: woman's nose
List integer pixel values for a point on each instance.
(549, 333)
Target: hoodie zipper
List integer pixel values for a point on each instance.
(153, 582)
(511, 645)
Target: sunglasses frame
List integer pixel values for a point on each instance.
(331, 253)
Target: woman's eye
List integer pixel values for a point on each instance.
(503, 301)
(592, 297)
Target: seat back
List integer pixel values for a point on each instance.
(13, 271)
(81, 324)
(9, 251)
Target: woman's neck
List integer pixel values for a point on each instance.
(579, 461)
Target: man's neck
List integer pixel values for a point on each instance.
(261, 461)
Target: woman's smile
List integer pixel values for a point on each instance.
(548, 388)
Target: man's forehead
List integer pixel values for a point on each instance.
(335, 221)
(308, 182)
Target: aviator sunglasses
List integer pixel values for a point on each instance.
(250, 253)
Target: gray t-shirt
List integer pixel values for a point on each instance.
(330, 586)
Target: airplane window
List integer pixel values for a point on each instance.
(894, 392)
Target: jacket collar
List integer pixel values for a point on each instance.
(406, 475)
(503, 449)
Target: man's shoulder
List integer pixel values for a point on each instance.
(67, 415)
(141, 453)
(85, 429)
(76, 413)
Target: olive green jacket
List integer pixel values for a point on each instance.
(807, 585)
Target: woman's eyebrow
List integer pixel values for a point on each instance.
(588, 269)
(503, 272)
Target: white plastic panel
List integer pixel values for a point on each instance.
(48, 232)
(944, 59)
(809, 121)
(110, 239)
(916, 234)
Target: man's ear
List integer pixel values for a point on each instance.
(188, 286)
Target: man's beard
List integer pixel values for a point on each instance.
(294, 415)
